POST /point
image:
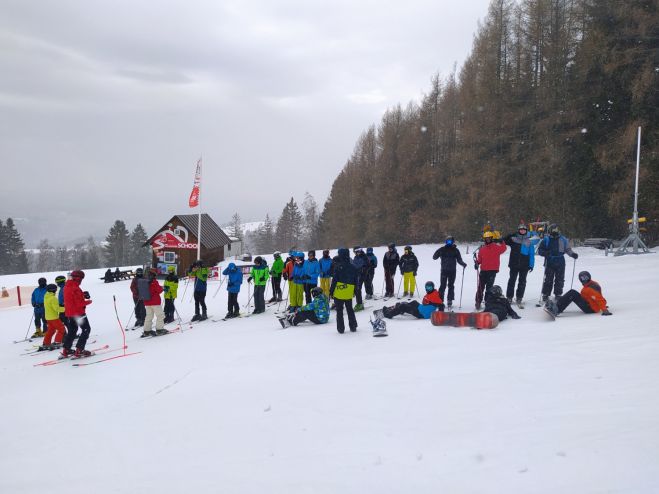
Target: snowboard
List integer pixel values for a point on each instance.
(478, 320)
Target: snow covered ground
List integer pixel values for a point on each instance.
(244, 407)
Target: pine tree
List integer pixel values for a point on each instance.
(139, 253)
(235, 227)
(4, 250)
(92, 258)
(62, 259)
(46, 260)
(117, 248)
(16, 249)
(289, 227)
(265, 236)
(311, 215)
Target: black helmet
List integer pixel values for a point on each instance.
(496, 291)
(258, 260)
(430, 286)
(584, 277)
(51, 288)
(392, 246)
(42, 282)
(553, 230)
(311, 253)
(199, 263)
(139, 272)
(326, 252)
(316, 291)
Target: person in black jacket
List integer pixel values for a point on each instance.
(450, 256)
(390, 264)
(521, 261)
(497, 304)
(409, 265)
(344, 279)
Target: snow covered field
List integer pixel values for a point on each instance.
(241, 406)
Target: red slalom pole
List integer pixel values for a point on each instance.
(123, 332)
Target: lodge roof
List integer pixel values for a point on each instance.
(212, 236)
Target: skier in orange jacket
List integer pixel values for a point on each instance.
(590, 300)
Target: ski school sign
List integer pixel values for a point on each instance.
(167, 239)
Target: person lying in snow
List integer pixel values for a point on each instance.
(590, 300)
(430, 303)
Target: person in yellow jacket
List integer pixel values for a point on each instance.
(55, 324)
(171, 290)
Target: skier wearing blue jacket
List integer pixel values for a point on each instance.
(234, 281)
(325, 271)
(553, 248)
(296, 289)
(317, 311)
(311, 273)
(521, 261)
(370, 273)
(39, 311)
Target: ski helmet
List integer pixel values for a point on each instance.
(326, 252)
(77, 274)
(51, 288)
(369, 250)
(60, 280)
(316, 291)
(139, 272)
(258, 260)
(311, 253)
(277, 254)
(171, 269)
(488, 235)
(42, 282)
(408, 247)
(553, 230)
(496, 291)
(392, 246)
(522, 226)
(584, 277)
(199, 263)
(430, 286)
(449, 241)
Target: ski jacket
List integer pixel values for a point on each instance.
(288, 269)
(133, 287)
(390, 261)
(361, 264)
(201, 278)
(522, 250)
(235, 278)
(344, 277)
(499, 306)
(38, 295)
(489, 256)
(171, 286)
(554, 250)
(60, 295)
(277, 267)
(298, 273)
(431, 302)
(74, 300)
(450, 256)
(409, 263)
(592, 293)
(325, 267)
(311, 271)
(154, 293)
(373, 260)
(260, 274)
(320, 307)
(52, 306)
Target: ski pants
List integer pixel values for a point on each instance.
(233, 307)
(199, 300)
(411, 308)
(447, 278)
(154, 310)
(296, 295)
(554, 276)
(140, 312)
(521, 286)
(352, 320)
(485, 283)
(276, 287)
(305, 315)
(56, 328)
(259, 298)
(40, 318)
(74, 323)
(358, 291)
(368, 283)
(169, 309)
(389, 282)
(307, 291)
(325, 285)
(573, 296)
(409, 282)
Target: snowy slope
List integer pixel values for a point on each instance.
(243, 407)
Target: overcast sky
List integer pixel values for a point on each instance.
(105, 106)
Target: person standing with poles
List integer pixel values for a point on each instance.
(140, 311)
(260, 276)
(487, 264)
(409, 265)
(150, 291)
(275, 275)
(450, 256)
(521, 262)
(311, 273)
(171, 289)
(75, 309)
(360, 261)
(235, 280)
(553, 248)
(38, 295)
(200, 274)
(296, 287)
(390, 264)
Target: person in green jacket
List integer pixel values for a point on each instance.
(200, 274)
(260, 276)
(275, 274)
(171, 289)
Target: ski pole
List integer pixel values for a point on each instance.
(462, 285)
(131, 315)
(399, 283)
(382, 290)
(187, 282)
(180, 321)
(574, 265)
(249, 292)
(28, 328)
(416, 285)
(219, 286)
(285, 298)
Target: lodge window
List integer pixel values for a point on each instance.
(170, 257)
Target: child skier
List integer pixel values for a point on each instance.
(152, 305)
(275, 274)
(140, 312)
(38, 295)
(234, 282)
(55, 324)
(60, 281)
(390, 264)
(260, 276)
(296, 288)
(431, 302)
(75, 309)
(521, 261)
(409, 265)
(317, 311)
(200, 274)
(450, 256)
(311, 273)
(171, 290)
(325, 272)
(590, 300)
(343, 289)
(488, 260)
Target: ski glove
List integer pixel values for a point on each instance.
(85, 294)
(575, 256)
(530, 269)
(516, 316)
(606, 312)
(476, 266)
(285, 276)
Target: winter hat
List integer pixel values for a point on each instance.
(42, 282)
(77, 274)
(51, 288)
(343, 253)
(369, 250)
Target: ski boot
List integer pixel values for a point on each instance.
(359, 307)
(478, 307)
(273, 299)
(66, 353)
(405, 294)
(449, 307)
(79, 353)
(203, 317)
(38, 334)
(196, 317)
(146, 334)
(520, 303)
(160, 332)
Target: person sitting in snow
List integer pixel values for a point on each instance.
(590, 300)
(431, 302)
(497, 303)
(317, 311)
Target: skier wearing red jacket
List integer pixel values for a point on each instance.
(488, 261)
(150, 291)
(75, 306)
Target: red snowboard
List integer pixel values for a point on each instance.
(478, 320)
